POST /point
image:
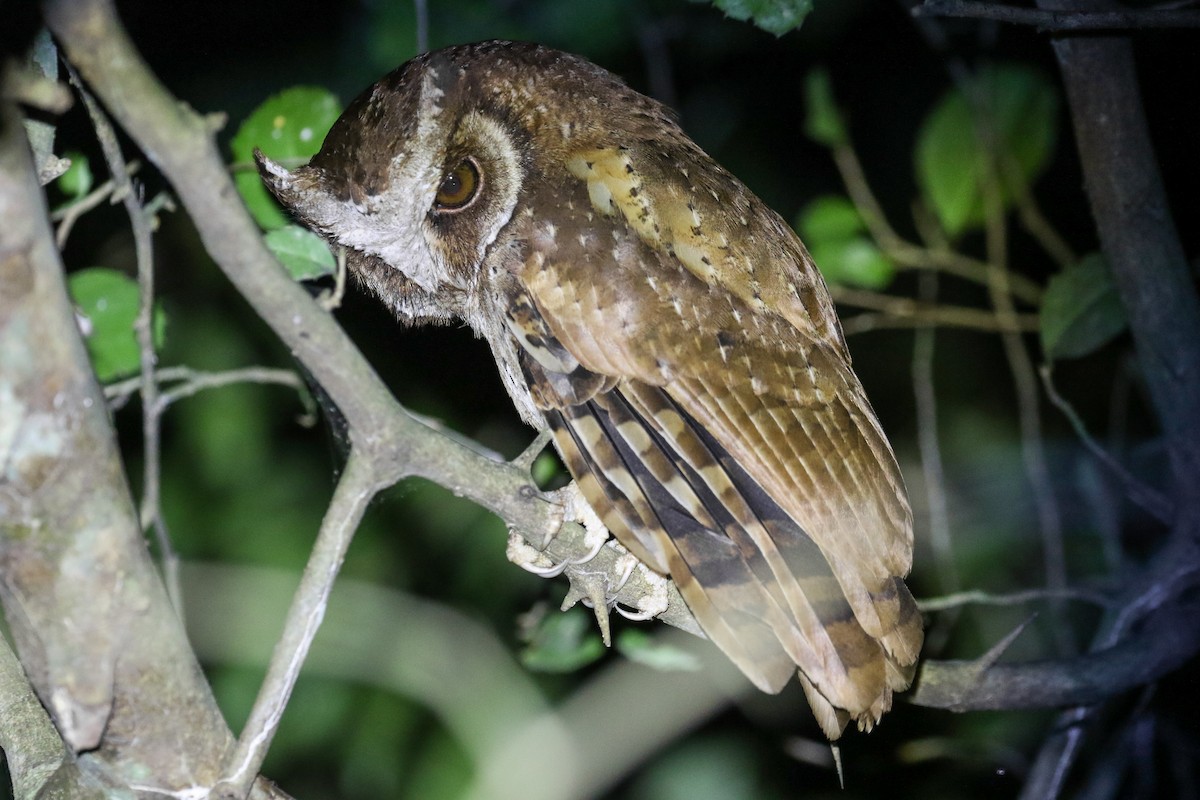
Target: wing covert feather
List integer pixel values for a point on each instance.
(736, 451)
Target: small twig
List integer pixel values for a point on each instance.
(422, 11)
(1037, 226)
(1049, 770)
(1060, 21)
(1024, 380)
(68, 215)
(194, 381)
(906, 254)
(905, 312)
(1149, 498)
(978, 597)
(1159, 592)
(150, 515)
(927, 441)
(354, 492)
(1029, 212)
(332, 299)
(529, 455)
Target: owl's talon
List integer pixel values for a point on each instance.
(630, 564)
(525, 556)
(636, 616)
(552, 571)
(590, 554)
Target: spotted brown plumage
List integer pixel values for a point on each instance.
(669, 329)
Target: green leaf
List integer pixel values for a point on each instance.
(824, 123)
(1080, 310)
(305, 254)
(774, 16)
(545, 467)
(830, 216)
(1020, 107)
(107, 302)
(948, 168)
(642, 648)
(77, 180)
(853, 262)
(563, 643)
(289, 127)
(836, 238)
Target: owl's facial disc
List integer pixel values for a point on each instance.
(475, 196)
(443, 183)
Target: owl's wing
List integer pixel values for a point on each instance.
(729, 452)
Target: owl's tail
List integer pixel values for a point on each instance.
(757, 583)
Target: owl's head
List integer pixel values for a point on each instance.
(424, 169)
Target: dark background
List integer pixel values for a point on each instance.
(244, 483)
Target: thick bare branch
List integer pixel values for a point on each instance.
(84, 604)
(38, 762)
(1138, 236)
(1166, 641)
(1046, 19)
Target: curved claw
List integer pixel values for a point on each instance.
(630, 565)
(555, 570)
(636, 616)
(552, 571)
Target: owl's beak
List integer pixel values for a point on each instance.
(277, 178)
(302, 191)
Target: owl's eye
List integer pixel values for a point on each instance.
(459, 187)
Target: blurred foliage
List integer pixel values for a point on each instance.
(838, 242)
(562, 642)
(706, 768)
(77, 180)
(1007, 114)
(642, 648)
(824, 123)
(776, 16)
(244, 482)
(1081, 311)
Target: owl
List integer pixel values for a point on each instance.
(667, 327)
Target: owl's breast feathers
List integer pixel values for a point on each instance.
(703, 400)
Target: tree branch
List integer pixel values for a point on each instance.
(1167, 639)
(1052, 21)
(354, 491)
(84, 604)
(37, 760)
(918, 314)
(1138, 237)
